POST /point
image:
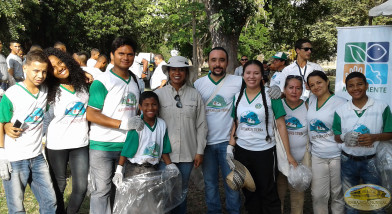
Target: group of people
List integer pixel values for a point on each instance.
(109, 127)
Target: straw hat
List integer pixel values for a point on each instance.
(240, 177)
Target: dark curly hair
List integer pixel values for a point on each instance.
(76, 76)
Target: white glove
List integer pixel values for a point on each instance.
(5, 166)
(118, 176)
(230, 156)
(135, 122)
(172, 166)
(350, 138)
(274, 92)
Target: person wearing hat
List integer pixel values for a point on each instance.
(301, 67)
(182, 108)
(279, 62)
(238, 71)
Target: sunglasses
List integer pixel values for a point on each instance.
(244, 59)
(294, 77)
(307, 49)
(177, 98)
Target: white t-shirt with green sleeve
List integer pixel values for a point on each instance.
(251, 130)
(297, 129)
(320, 126)
(374, 118)
(68, 127)
(116, 98)
(219, 109)
(148, 145)
(19, 104)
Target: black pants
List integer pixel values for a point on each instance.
(79, 164)
(262, 165)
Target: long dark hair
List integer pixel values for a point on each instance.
(243, 86)
(76, 76)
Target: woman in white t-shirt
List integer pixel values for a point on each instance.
(253, 137)
(297, 128)
(325, 151)
(67, 128)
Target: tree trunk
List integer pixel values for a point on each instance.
(227, 40)
(195, 60)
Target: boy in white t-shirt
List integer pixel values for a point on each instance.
(23, 106)
(143, 149)
(359, 125)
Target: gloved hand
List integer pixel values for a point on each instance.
(350, 138)
(172, 166)
(274, 92)
(118, 176)
(135, 122)
(5, 166)
(230, 156)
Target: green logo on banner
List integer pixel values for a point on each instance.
(355, 52)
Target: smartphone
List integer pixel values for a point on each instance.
(17, 124)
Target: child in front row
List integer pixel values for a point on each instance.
(143, 149)
(23, 106)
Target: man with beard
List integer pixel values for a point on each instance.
(218, 90)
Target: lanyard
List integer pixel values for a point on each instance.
(302, 75)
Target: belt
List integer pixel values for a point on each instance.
(146, 165)
(358, 158)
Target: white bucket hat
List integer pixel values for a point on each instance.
(176, 62)
(240, 177)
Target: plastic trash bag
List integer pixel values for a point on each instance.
(152, 192)
(90, 184)
(299, 177)
(384, 163)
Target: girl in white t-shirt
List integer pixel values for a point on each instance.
(297, 128)
(253, 137)
(67, 128)
(325, 151)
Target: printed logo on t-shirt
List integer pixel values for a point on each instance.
(75, 109)
(360, 128)
(152, 149)
(258, 106)
(318, 126)
(35, 117)
(129, 100)
(217, 102)
(293, 123)
(249, 118)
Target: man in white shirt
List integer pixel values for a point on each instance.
(239, 70)
(93, 59)
(14, 62)
(158, 79)
(217, 90)
(277, 65)
(300, 67)
(3, 72)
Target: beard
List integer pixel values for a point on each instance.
(218, 74)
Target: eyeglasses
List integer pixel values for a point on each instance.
(244, 59)
(294, 77)
(177, 98)
(307, 49)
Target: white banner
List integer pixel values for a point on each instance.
(365, 49)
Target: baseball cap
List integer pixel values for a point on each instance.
(280, 55)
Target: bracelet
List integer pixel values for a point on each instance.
(145, 73)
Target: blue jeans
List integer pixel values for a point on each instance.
(185, 170)
(352, 171)
(215, 159)
(37, 169)
(102, 166)
(78, 162)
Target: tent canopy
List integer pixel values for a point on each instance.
(384, 9)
